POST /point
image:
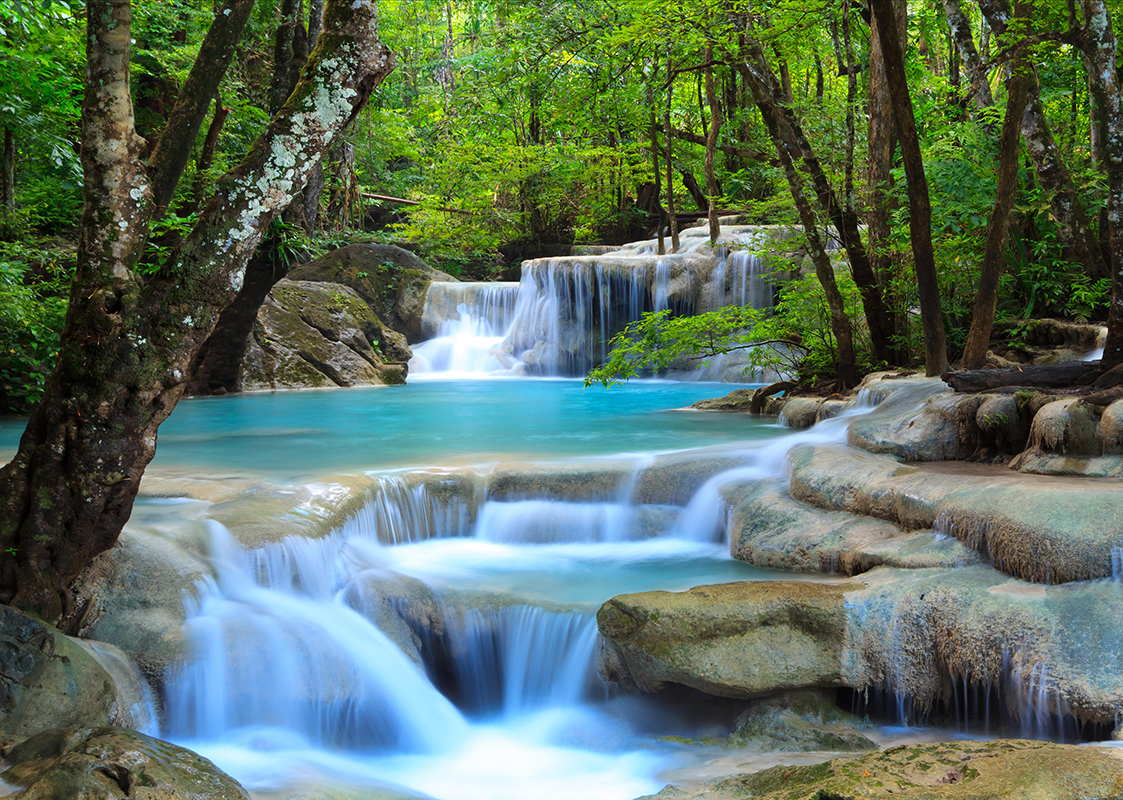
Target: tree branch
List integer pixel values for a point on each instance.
(170, 156)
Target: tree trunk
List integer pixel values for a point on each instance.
(845, 220)
(694, 190)
(711, 146)
(672, 220)
(653, 129)
(217, 366)
(994, 256)
(1099, 44)
(847, 368)
(920, 208)
(128, 338)
(881, 138)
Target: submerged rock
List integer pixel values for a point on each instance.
(800, 722)
(995, 770)
(108, 763)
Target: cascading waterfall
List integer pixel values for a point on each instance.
(275, 657)
(563, 313)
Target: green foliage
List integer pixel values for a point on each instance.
(32, 310)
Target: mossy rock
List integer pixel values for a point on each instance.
(310, 335)
(389, 279)
(995, 770)
(49, 680)
(800, 722)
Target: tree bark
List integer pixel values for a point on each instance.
(711, 146)
(920, 208)
(653, 130)
(994, 256)
(1100, 46)
(129, 338)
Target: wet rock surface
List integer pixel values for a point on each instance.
(109, 763)
(49, 680)
(746, 639)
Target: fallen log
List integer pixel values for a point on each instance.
(1070, 373)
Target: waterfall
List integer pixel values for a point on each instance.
(559, 319)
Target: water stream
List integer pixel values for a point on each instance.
(310, 664)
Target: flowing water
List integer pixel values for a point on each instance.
(309, 664)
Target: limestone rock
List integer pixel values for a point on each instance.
(994, 770)
(767, 528)
(1043, 649)
(110, 763)
(732, 640)
(49, 680)
(310, 334)
(801, 412)
(799, 722)
(1051, 530)
(391, 280)
(737, 400)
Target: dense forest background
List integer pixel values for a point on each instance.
(511, 130)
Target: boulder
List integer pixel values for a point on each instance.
(733, 640)
(916, 633)
(49, 680)
(108, 763)
(310, 334)
(389, 279)
(994, 770)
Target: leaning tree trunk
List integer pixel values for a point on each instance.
(129, 338)
(766, 89)
(847, 367)
(217, 366)
(920, 208)
(994, 256)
